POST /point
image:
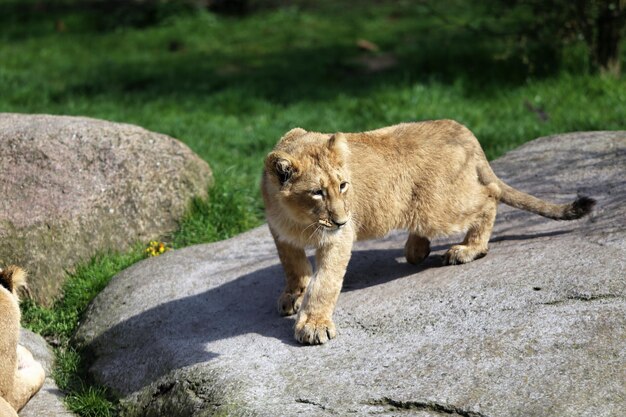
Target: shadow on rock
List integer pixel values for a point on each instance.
(189, 330)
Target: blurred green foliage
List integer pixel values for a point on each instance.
(535, 28)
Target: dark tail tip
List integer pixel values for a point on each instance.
(579, 208)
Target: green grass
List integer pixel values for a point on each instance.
(90, 402)
(82, 286)
(225, 213)
(230, 86)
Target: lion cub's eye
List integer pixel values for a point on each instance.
(343, 186)
(317, 193)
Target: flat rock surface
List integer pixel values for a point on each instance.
(536, 328)
(48, 402)
(73, 186)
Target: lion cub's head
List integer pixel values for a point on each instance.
(307, 175)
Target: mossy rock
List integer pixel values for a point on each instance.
(72, 186)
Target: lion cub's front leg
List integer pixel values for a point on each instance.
(297, 276)
(314, 324)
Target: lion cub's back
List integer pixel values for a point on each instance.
(431, 134)
(439, 147)
(406, 175)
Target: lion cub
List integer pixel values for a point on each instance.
(21, 376)
(327, 191)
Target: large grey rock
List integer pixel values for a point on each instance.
(536, 328)
(72, 186)
(48, 402)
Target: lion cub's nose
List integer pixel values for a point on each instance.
(339, 223)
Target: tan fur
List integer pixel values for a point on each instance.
(430, 178)
(20, 375)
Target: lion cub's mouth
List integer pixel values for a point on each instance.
(326, 224)
(329, 226)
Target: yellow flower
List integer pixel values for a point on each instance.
(156, 248)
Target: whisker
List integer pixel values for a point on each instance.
(357, 223)
(323, 236)
(304, 230)
(313, 232)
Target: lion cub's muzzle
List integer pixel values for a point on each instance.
(334, 224)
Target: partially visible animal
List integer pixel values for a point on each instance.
(21, 376)
(328, 190)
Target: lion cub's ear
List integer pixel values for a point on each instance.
(13, 278)
(339, 144)
(292, 134)
(283, 165)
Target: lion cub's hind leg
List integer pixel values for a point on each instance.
(416, 249)
(476, 242)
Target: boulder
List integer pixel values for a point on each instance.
(48, 402)
(73, 186)
(536, 328)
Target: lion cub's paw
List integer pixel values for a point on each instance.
(29, 368)
(315, 332)
(289, 303)
(462, 254)
(24, 357)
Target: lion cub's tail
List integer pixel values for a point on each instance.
(570, 211)
(13, 278)
(515, 198)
